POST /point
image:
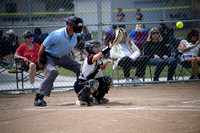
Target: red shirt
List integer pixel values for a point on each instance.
(30, 54)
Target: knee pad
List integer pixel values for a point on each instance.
(93, 85)
(108, 80)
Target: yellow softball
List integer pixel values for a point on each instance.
(179, 24)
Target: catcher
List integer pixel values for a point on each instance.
(86, 84)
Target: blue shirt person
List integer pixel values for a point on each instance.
(55, 51)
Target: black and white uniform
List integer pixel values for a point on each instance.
(90, 68)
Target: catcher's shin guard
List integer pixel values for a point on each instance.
(89, 89)
(100, 93)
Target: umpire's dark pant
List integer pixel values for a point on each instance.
(65, 62)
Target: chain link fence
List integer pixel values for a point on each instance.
(18, 16)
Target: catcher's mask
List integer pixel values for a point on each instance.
(75, 20)
(90, 44)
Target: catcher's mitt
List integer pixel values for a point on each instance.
(117, 36)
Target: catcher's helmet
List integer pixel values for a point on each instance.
(90, 44)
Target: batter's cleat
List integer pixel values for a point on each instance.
(81, 103)
(102, 101)
(40, 103)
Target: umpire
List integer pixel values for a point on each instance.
(55, 50)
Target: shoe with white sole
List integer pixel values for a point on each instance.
(137, 81)
(81, 103)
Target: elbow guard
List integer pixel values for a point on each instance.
(105, 50)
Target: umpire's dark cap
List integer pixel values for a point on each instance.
(74, 20)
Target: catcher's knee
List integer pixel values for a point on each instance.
(93, 84)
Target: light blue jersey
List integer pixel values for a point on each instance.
(59, 44)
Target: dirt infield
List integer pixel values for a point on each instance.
(152, 108)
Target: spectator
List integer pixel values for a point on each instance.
(38, 36)
(3, 45)
(139, 36)
(168, 36)
(128, 56)
(159, 54)
(12, 41)
(109, 34)
(165, 32)
(139, 15)
(190, 49)
(120, 17)
(82, 38)
(87, 84)
(29, 53)
(55, 50)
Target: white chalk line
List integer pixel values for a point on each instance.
(167, 108)
(194, 101)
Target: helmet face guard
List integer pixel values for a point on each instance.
(75, 20)
(78, 29)
(90, 44)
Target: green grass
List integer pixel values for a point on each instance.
(147, 73)
(108, 71)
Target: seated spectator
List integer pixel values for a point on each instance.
(109, 34)
(165, 32)
(139, 36)
(38, 36)
(128, 56)
(82, 38)
(190, 49)
(29, 53)
(12, 41)
(8, 44)
(159, 54)
(168, 36)
(3, 47)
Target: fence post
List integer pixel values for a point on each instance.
(99, 20)
(29, 13)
